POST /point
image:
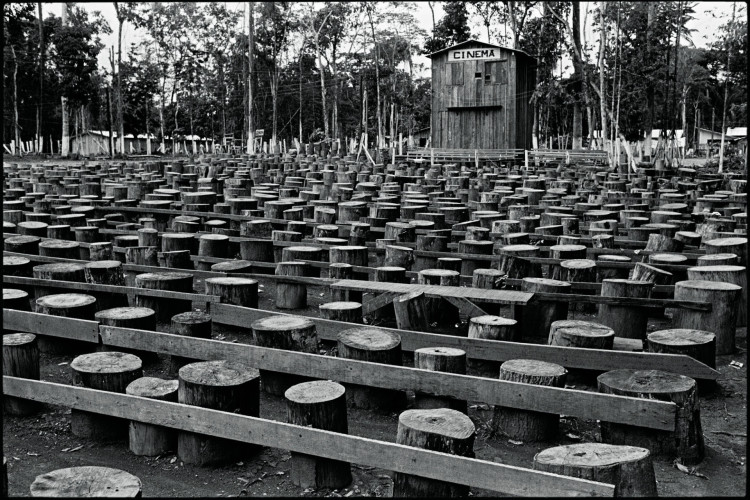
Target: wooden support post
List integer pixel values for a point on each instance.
(685, 441)
(165, 308)
(190, 324)
(525, 425)
(20, 359)
(223, 386)
(440, 359)
(321, 405)
(410, 311)
(627, 322)
(375, 346)
(629, 468)
(538, 316)
(442, 430)
(491, 328)
(291, 295)
(236, 291)
(147, 439)
(68, 305)
(722, 318)
(104, 371)
(291, 333)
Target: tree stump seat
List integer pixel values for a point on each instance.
(87, 482)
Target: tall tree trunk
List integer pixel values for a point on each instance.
(513, 23)
(323, 93)
(578, 87)
(40, 104)
(535, 123)
(148, 132)
(65, 142)
(602, 87)
(120, 123)
(109, 124)
(300, 97)
(726, 95)
(377, 80)
(250, 58)
(16, 127)
(650, 101)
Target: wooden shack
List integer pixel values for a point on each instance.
(480, 97)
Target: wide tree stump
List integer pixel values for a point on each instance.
(173, 282)
(350, 312)
(13, 298)
(722, 318)
(233, 267)
(697, 344)
(290, 333)
(218, 385)
(717, 259)
(399, 256)
(440, 359)
(100, 250)
(354, 255)
(292, 295)
(645, 272)
(538, 316)
(628, 322)
(443, 430)
(106, 272)
(172, 242)
(577, 333)
(139, 318)
(257, 250)
(564, 252)
(513, 264)
(320, 404)
(491, 328)
(87, 482)
(410, 310)
(375, 346)
(16, 266)
(148, 237)
(59, 248)
(737, 246)
(57, 271)
(236, 291)
(338, 271)
(736, 275)
(685, 441)
(23, 244)
(147, 439)
(20, 359)
(104, 371)
(189, 324)
(629, 468)
(525, 425)
(603, 272)
(67, 305)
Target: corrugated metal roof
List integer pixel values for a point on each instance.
(472, 41)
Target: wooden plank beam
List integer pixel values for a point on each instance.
(466, 308)
(378, 302)
(54, 326)
(492, 296)
(494, 350)
(391, 456)
(584, 404)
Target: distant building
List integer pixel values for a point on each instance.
(480, 97)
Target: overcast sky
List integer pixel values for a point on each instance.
(708, 17)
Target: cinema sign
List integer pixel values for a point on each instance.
(460, 55)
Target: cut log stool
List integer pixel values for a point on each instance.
(527, 425)
(20, 359)
(375, 346)
(104, 371)
(321, 405)
(139, 318)
(577, 333)
(539, 316)
(409, 309)
(697, 344)
(14, 298)
(87, 482)
(727, 274)
(722, 318)
(189, 324)
(438, 310)
(68, 305)
(236, 291)
(148, 439)
(350, 312)
(440, 359)
(628, 322)
(173, 282)
(685, 441)
(629, 468)
(291, 295)
(218, 385)
(491, 328)
(56, 271)
(442, 430)
(290, 333)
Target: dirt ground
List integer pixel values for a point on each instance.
(44, 442)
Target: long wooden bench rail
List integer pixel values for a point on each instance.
(390, 456)
(54, 326)
(493, 350)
